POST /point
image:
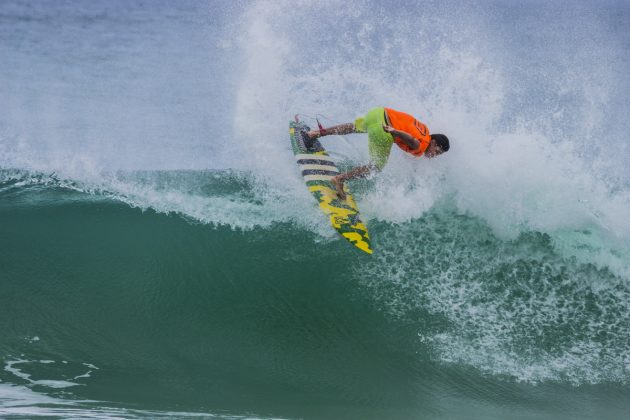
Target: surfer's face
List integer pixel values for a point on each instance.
(433, 150)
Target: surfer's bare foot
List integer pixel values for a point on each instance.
(338, 183)
(313, 134)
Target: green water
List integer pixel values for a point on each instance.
(147, 311)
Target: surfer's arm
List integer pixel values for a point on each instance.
(409, 140)
(341, 129)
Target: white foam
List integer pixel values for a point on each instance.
(516, 309)
(519, 178)
(20, 401)
(50, 383)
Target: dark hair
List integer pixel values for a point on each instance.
(442, 141)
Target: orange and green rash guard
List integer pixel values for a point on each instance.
(380, 142)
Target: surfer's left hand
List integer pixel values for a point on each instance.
(338, 183)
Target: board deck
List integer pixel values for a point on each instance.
(317, 168)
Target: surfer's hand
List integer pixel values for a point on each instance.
(388, 128)
(338, 182)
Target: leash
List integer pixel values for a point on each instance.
(322, 130)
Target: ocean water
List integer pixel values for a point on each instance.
(161, 258)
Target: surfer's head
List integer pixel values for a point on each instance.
(438, 145)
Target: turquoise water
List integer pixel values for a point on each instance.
(161, 258)
(125, 309)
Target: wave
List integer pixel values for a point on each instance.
(528, 308)
(171, 241)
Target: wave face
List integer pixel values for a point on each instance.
(102, 299)
(160, 256)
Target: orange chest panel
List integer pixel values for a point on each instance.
(407, 123)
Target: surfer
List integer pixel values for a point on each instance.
(384, 127)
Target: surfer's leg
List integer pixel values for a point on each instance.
(379, 141)
(379, 145)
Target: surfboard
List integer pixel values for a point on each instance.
(317, 169)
